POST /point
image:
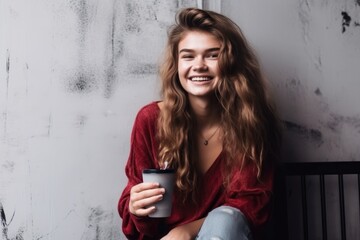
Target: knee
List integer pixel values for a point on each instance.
(229, 215)
(225, 223)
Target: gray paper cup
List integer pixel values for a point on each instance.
(166, 179)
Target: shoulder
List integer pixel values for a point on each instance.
(148, 114)
(149, 110)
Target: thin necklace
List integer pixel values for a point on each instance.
(206, 141)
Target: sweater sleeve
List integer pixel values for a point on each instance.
(251, 195)
(142, 155)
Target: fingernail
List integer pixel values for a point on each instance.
(152, 209)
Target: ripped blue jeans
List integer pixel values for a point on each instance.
(225, 223)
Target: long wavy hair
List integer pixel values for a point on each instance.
(251, 130)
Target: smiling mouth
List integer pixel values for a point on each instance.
(200, 79)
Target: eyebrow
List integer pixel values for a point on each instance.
(207, 50)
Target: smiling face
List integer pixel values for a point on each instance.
(198, 63)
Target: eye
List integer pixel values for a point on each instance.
(213, 55)
(187, 56)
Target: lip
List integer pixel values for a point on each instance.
(200, 78)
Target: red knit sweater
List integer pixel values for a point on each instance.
(244, 192)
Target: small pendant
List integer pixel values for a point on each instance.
(206, 142)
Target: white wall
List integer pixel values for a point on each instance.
(73, 74)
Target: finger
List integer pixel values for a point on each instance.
(146, 194)
(146, 202)
(145, 206)
(144, 186)
(143, 212)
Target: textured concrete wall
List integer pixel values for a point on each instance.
(73, 74)
(310, 50)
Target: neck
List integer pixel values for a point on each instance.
(206, 112)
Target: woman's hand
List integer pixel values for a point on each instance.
(142, 198)
(187, 231)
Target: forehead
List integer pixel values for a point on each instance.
(197, 40)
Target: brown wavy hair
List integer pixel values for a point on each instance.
(251, 130)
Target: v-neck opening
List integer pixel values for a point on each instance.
(213, 165)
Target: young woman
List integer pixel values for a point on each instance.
(216, 127)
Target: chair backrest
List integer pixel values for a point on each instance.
(303, 171)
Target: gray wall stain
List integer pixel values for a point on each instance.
(116, 46)
(8, 165)
(304, 17)
(308, 133)
(27, 83)
(80, 122)
(336, 121)
(346, 20)
(49, 125)
(133, 17)
(293, 83)
(98, 225)
(7, 72)
(2, 216)
(5, 111)
(110, 82)
(5, 226)
(318, 92)
(82, 82)
(81, 8)
(143, 69)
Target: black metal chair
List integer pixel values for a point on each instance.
(302, 171)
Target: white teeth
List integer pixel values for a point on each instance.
(200, 78)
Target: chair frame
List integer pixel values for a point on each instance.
(304, 169)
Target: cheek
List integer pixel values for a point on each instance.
(215, 66)
(181, 77)
(182, 69)
(182, 82)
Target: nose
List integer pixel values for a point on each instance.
(200, 65)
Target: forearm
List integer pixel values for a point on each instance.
(194, 227)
